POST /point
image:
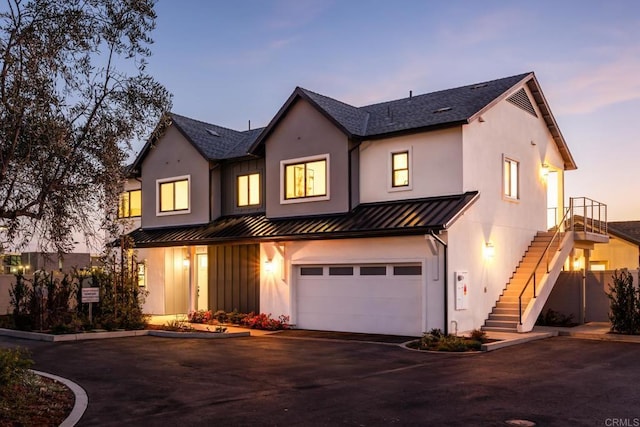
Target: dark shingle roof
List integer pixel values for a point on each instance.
(440, 108)
(407, 217)
(627, 230)
(215, 142)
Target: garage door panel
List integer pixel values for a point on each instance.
(370, 304)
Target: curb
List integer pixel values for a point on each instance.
(207, 335)
(81, 401)
(601, 337)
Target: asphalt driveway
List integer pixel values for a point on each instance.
(282, 381)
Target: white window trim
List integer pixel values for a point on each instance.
(189, 198)
(284, 163)
(505, 196)
(390, 187)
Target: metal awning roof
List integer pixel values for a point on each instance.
(397, 218)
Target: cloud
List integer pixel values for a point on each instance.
(592, 88)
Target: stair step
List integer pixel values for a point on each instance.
(503, 305)
(501, 323)
(496, 329)
(504, 317)
(509, 311)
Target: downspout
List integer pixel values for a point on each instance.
(446, 282)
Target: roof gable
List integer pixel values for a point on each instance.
(434, 110)
(213, 142)
(627, 230)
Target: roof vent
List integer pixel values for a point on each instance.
(213, 132)
(442, 110)
(521, 99)
(479, 86)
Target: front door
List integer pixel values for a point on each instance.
(202, 282)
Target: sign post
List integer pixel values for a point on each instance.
(90, 295)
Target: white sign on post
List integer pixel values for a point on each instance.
(90, 295)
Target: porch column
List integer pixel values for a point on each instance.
(193, 268)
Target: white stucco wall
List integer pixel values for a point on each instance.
(154, 259)
(506, 130)
(435, 169)
(277, 289)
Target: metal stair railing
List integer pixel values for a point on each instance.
(583, 212)
(533, 277)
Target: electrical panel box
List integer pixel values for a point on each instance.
(462, 290)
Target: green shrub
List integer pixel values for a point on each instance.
(14, 367)
(554, 318)
(624, 304)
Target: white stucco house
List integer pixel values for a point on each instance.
(425, 212)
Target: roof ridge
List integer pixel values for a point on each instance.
(205, 123)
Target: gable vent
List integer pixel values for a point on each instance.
(520, 99)
(212, 132)
(442, 110)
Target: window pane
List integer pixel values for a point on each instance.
(311, 271)
(316, 178)
(373, 271)
(166, 197)
(340, 271)
(182, 195)
(514, 179)
(400, 178)
(407, 270)
(400, 161)
(289, 182)
(507, 178)
(123, 206)
(135, 203)
(254, 189)
(243, 190)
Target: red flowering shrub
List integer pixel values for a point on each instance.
(265, 322)
(200, 316)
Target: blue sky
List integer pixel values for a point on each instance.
(228, 62)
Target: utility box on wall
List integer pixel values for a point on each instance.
(462, 290)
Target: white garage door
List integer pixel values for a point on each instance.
(380, 298)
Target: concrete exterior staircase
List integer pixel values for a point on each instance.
(505, 316)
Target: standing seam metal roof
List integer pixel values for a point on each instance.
(407, 217)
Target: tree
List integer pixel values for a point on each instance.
(73, 94)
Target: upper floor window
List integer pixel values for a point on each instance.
(400, 169)
(511, 177)
(248, 190)
(173, 195)
(305, 178)
(130, 204)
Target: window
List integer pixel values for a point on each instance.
(407, 270)
(311, 271)
(373, 270)
(400, 169)
(511, 178)
(340, 271)
(130, 204)
(249, 190)
(173, 195)
(304, 179)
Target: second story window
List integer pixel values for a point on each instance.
(400, 169)
(173, 195)
(305, 179)
(510, 173)
(248, 190)
(130, 204)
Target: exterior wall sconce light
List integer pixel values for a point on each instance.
(185, 263)
(489, 250)
(544, 170)
(269, 267)
(577, 265)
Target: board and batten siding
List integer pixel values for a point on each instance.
(230, 173)
(234, 278)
